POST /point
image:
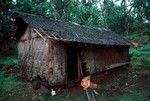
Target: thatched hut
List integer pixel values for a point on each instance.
(62, 51)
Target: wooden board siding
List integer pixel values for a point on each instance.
(57, 64)
(100, 58)
(40, 58)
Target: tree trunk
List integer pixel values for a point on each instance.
(103, 13)
(126, 24)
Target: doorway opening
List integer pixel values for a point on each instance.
(72, 64)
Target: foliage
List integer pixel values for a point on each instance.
(140, 38)
(135, 95)
(9, 60)
(141, 57)
(8, 82)
(121, 18)
(141, 9)
(84, 15)
(114, 16)
(39, 8)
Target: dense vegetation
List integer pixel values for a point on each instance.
(124, 16)
(129, 18)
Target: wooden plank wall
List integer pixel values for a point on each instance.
(40, 58)
(99, 58)
(59, 61)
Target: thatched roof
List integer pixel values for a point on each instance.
(73, 32)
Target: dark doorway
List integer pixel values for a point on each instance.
(72, 68)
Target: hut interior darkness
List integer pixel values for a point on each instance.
(60, 51)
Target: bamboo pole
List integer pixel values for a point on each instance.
(117, 65)
(48, 35)
(40, 34)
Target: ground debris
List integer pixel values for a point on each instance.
(10, 69)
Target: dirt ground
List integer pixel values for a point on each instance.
(116, 81)
(144, 80)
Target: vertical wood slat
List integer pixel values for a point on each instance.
(78, 65)
(49, 49)
(105, 56)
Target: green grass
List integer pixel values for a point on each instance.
(141, 57)
(9, 60)
(8, 82)
(133, 95)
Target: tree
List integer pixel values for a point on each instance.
(121, 18)
(124, 5)
(83, 14)
(141, 9)
(5, 18)
(103, 13)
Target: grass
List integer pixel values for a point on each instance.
(9, 60)
(134, 95)
(141, 57)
